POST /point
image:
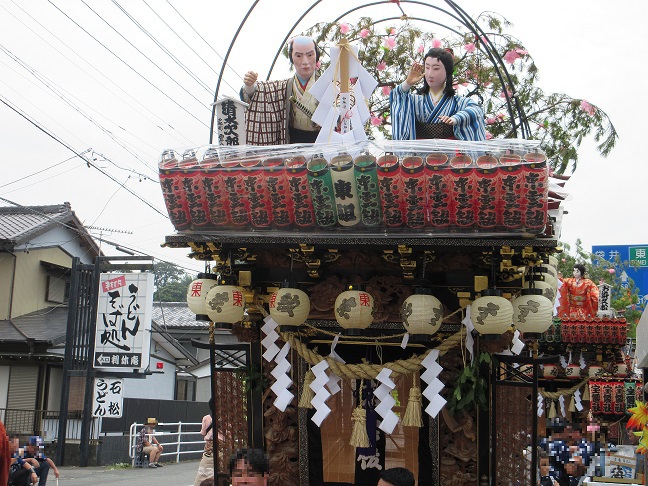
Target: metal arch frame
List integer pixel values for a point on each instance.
(512, 101)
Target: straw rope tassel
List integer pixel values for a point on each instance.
(552, 410)
(412, 417)
(572, 404)
(586, 395)
(307, 394)
(359, 437)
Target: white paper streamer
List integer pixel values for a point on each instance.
(563, 362)
(577, 401)
(563, 412)
(434, 385)
(270, 339)
(581, 361)
(321, 393)
(540, 405)
(470, 341)
(283, 381)
(517, 345)
(384, 407)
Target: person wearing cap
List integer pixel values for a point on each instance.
(436, 111)
(280, 112)
(35, 451)
(148, 444)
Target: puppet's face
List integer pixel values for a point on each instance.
(577, 273)
(435, 74)
(304, 59)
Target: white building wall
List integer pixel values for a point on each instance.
(160, 385)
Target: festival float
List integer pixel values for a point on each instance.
(395, 298)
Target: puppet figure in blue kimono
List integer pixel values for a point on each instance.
(436, 111)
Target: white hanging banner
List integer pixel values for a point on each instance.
(387, 401)
(281, 387)
(321, 393)
(270, 339)
(470, 341)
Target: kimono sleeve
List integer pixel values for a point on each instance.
(403, 116)
(470, 120)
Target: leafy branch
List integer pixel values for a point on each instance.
(471, 388)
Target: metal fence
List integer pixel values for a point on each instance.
(181, 438)
(45, 424)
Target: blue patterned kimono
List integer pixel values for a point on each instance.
(407, 109)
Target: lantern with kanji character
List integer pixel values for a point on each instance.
(354, 309)
(422, 313)
(198, 290)
(491, 313)
(225, 304)
(532, 313)
(289, 306)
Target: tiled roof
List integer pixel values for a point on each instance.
(47, 325)
(176, 315)
(17, 224)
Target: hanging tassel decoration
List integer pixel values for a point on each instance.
(572, 405)
(413, 417)
(552, 410)
(586, 395)
(359, 437)
(307, 393)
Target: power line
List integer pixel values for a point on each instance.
(129, 66)
(144, 55)
(54, 88)
(42, 170)
(130, 105)
(207, 43)
(164, 49)
(88, 162)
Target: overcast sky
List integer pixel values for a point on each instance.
(100, 75)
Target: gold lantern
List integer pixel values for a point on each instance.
(532, 313)
(422, 313)
(289, 306)
(198, 290)
(354, 309)
(225, 304)
(491, 313)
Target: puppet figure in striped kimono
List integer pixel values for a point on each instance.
(280, 112)
(436, 112)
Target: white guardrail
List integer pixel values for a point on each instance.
(187, 436)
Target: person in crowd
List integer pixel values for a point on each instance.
(579, 296)
(35, 450)
(5, 455)
(396, 476)
(148, 443)
(249, 467)
(280, 112)
(21, 470)
(206, 466)
(436, 111)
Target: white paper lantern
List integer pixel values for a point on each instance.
(354, 309)
(491, 313)
(225, 304)
(198, 290)
(548, 269)
(422, 314)
(532, 312)
(552, 261)
(289, 306)
(547, 290)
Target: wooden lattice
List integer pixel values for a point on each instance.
(231, 406)
(513, 429)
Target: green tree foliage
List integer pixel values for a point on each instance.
(559, 121)
(625, 298)
(171, 283)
